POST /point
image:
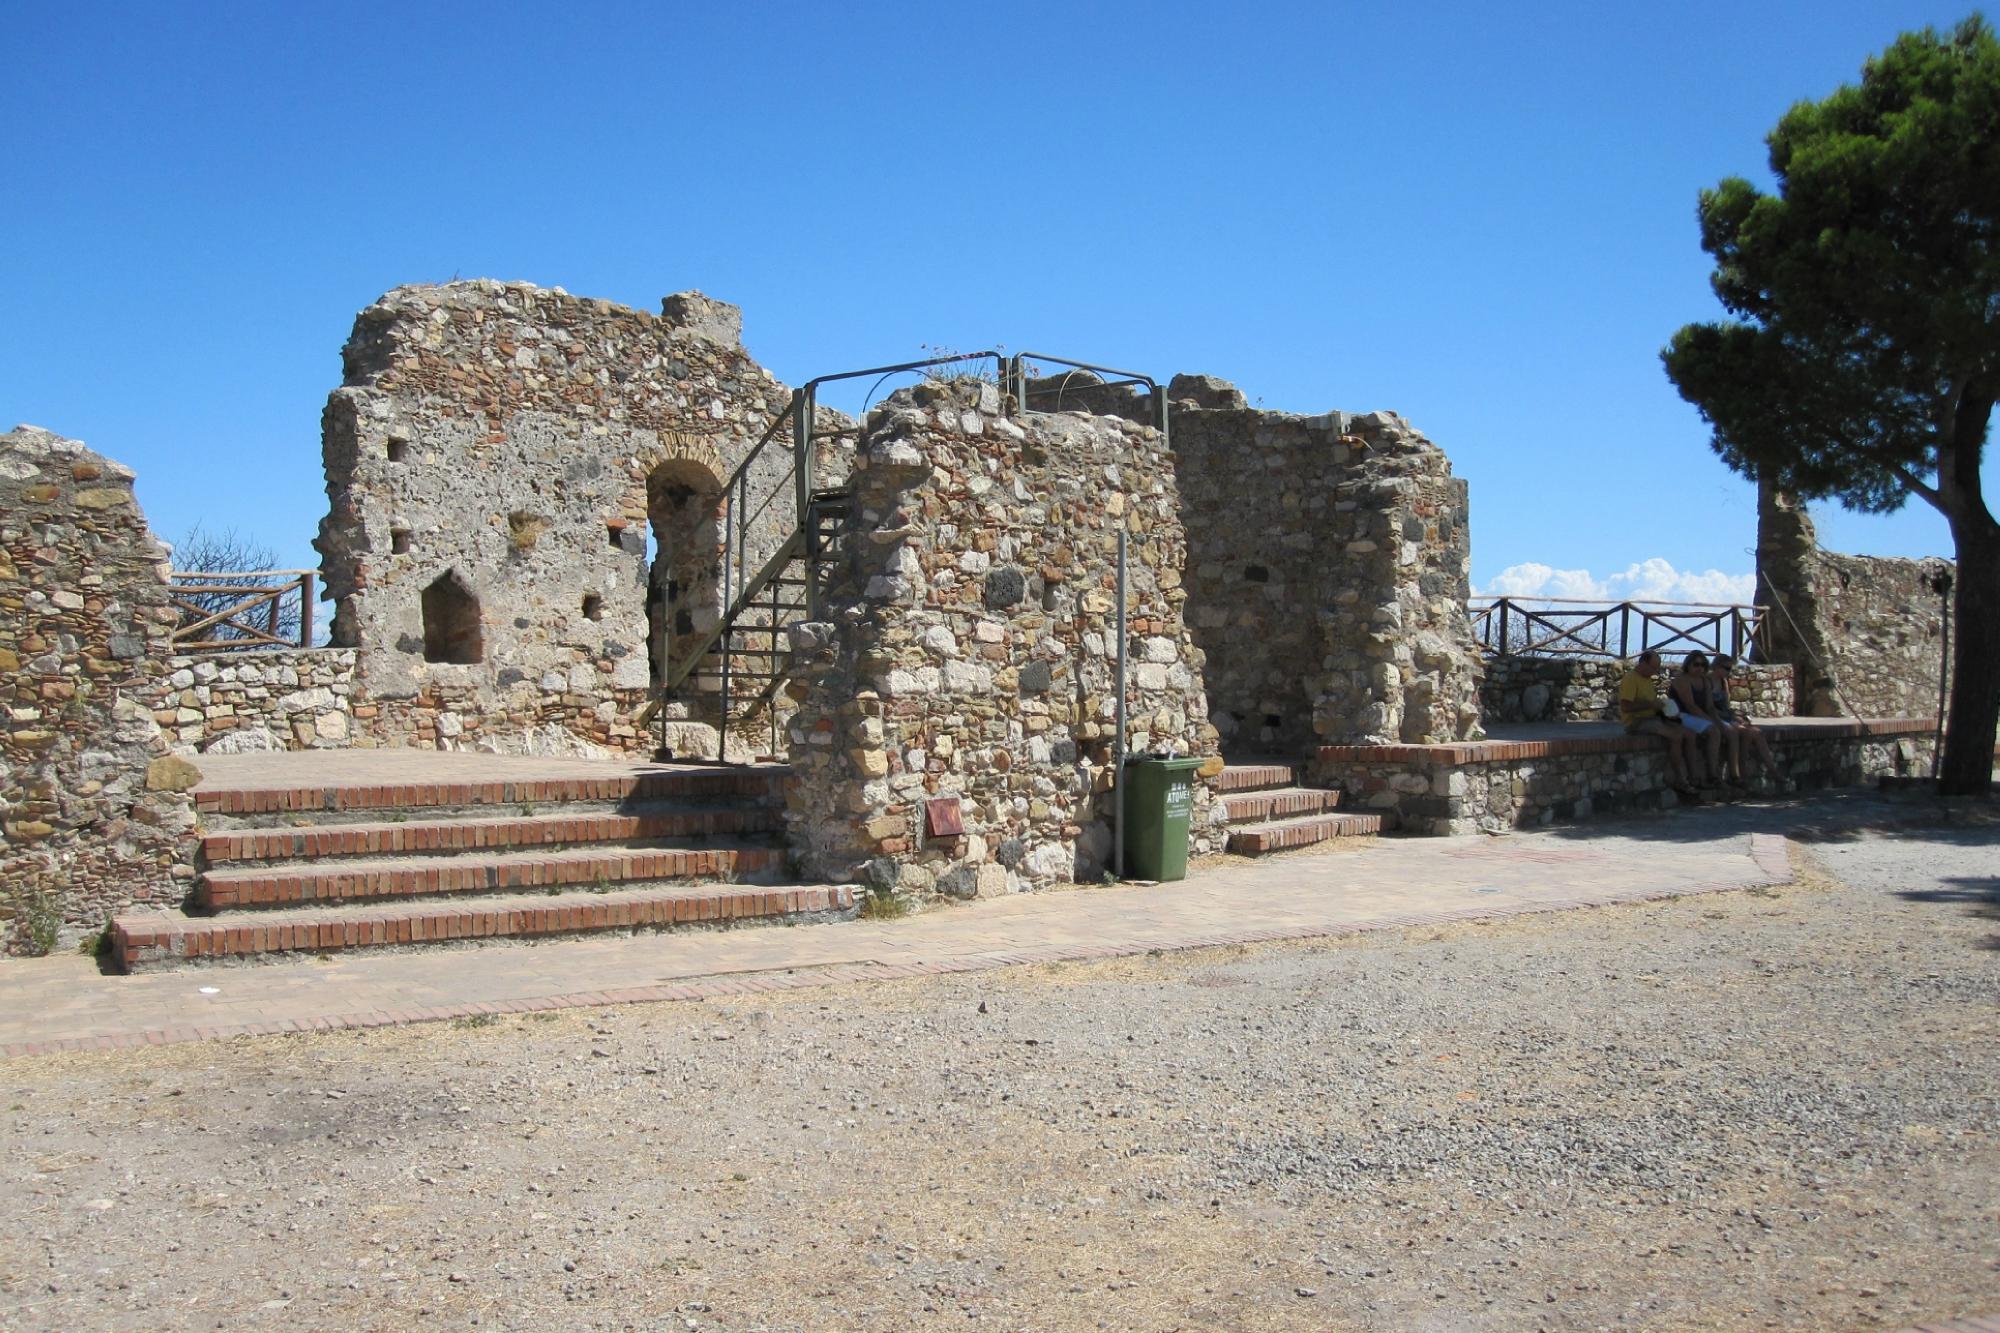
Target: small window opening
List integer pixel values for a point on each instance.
(593, 606)
(399, 541)
(1256, 574)
(399, 450)
(617, 534)
(451, 621)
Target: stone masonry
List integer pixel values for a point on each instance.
(1864, 632)
(968, 648)
(94, 811)
(1567, 689)
(233, 702)
(495, 460)
(1493, 786)
(1328, 561)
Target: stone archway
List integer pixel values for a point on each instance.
(684, 567)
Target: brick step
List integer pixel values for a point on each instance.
(346, 881)
(271, 805)
(1255, 777)
(147, 938)
(1283, 834)
(442, 837)
(1257, 807)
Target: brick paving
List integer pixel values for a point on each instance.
(65, 1003)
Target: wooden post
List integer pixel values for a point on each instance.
(305, 610)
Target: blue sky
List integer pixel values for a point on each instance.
(1479, 216)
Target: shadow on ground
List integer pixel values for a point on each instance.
(1837, 815)
(1980, 895)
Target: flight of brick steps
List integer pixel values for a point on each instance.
(315, 869)
(1270, 812)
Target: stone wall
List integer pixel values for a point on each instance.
(1493, 786)
(1327, 574)
(969, 646)
(495, 460)
(1865, 632)
(1562, 689)
(94, 813)
(228, 703)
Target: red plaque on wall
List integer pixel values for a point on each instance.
(943, 818)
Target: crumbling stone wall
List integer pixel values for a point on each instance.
(229, 703)
(1327, 574)
(94, 813)
(1865, 633)
(1565, 689)
(494, 460)
(969, 647)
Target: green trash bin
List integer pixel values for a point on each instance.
(1159, 797)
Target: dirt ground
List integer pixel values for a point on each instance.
(1771, 1108)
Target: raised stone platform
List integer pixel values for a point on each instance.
(1525, 775)
(342, 850)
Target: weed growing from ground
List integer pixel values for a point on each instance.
(883, 905)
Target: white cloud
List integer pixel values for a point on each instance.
(1654, 580)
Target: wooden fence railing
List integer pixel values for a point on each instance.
(1563, 627)
(253, 608)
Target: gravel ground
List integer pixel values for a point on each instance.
(1772, 1108)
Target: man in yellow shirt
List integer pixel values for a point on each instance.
(1639, 709)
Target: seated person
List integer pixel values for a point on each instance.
(1639, 709)
(1689, 690)
(1744, 734)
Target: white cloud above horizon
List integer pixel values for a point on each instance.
(1654, 580)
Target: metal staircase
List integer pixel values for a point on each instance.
(744, 658)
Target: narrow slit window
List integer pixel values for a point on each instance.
(399, 541)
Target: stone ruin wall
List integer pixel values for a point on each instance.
(518, 442)
(95, 813)
(1864, 633)
(1563, 689)
(1328, 571)
(969, 646)
(248, 700)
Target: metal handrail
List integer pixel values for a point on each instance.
(1017, 380)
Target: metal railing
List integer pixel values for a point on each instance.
(1015, 379)
(237, 609)
(1567, 627)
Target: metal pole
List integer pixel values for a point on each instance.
(729, 543)
(722, 728)
(1118, 775)
(1943, 586)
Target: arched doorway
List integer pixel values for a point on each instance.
(684, 559)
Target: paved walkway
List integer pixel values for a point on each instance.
(65, 1003)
